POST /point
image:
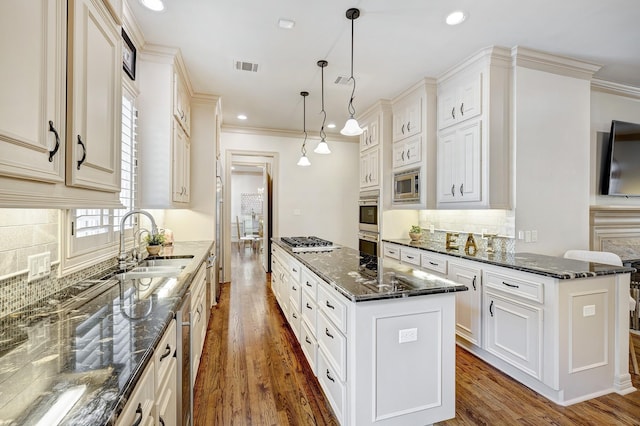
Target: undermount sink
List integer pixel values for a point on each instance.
(165, 267)
(175, 262)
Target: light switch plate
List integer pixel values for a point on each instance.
(39, 266)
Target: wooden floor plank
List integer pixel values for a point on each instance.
(253, 372)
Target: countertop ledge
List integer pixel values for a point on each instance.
(59, 352)
(540, 264)
(361, 278)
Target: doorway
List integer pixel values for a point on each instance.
(249, 204)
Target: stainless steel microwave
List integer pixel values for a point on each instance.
(406, 186)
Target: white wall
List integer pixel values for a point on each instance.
(551, 118)
(604, 108)
(324, 194)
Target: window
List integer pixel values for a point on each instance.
(93, 233)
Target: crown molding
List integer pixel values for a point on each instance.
(285, 133)
(615, 88)
(556, 64)
(131, 26)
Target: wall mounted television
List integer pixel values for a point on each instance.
(621, 174)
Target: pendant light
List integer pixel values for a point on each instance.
(304, 161)
(322, 147)
(351, 127)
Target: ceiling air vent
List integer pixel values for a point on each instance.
(343, 80)
(246, 66)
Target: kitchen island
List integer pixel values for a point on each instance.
(379, 335)
(559, 326)
(78, 356)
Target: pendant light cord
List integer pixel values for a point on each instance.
(350, 108)
(324, 113)
(304, 124)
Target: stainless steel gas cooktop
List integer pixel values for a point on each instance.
(302, 244)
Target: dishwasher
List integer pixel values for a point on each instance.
(185, 390)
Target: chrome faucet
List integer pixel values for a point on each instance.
(122, 257)
(137, 236)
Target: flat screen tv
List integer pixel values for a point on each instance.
(621, 174)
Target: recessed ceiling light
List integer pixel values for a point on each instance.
(286, 24)
(331, 125)
(455, 18)
(155, 5)
(242, 117)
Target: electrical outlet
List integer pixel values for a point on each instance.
(521, 235)
(534, 236)
(588, 310)
(39, 266)
(527, 236)
(408, 335)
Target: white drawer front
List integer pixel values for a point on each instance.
(334, 389)
(334, 308)
(531, 290)
(334, 344)
(309, 346)
(392, 251)
(309, 283)
(294, 320)
(434, 262)
(294, 268)
(309, 311)
(164, 352)
(294, 293)
(411, 256)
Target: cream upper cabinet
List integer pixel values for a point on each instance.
(459, 101)
(32, 83)
(369, 168)
(94, 97)
(369, 137)
(473, 166)
(407, 116)
(459, 164)
(407, 152)
(164, 147)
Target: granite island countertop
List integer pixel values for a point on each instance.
(360, 277)
(98, 345)
(550, 266)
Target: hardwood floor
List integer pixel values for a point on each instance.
(253, 373)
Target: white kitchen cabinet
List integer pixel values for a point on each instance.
(407, 152)
(459, 100)
(391, 251)
(94, 97)
(369, 168)
(140, 408)
(32, 82)
(473, 160)
(166, 377)
(460, 164)
(198, 319)
(407, 116)
(369, 137)
(410, 255)
(163, 143)
(468, 303)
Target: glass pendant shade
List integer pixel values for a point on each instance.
(322, 148)
(304, 161)
(351, 128)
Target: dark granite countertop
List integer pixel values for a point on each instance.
(550, 266)
(98, 344)
(360, 277)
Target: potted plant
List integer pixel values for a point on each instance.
(415, 232)
(154, 243)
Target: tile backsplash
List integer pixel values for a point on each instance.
(501, 222)
(25, 232)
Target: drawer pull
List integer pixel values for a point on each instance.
(167, 352)
(306, 339)
(294, 269)
(410, 257)
(326, 331)
(329, 376)
(293, 287)
(329, 305)
(294, 315)
(308, 285)
(433, 263)
(309, 306)
(138, 411)
(510, 285)
(491, 308)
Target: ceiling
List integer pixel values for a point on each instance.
(396, 44)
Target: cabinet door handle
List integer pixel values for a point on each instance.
(453, 113)
(461, 189)
(511, 285)
(326, 331)
(462, 109)
(161, 421)
(408, 154)
(402, 156)
(491, 308)
(309, 306)
(453, 190)
(306, 339)
(84, 152)
(138, 411)
(402, 129)
(53, 152)
(370, 179)
(474, 283)
(329, 305)
(167, 352)
(409, 126)
(329, 376)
